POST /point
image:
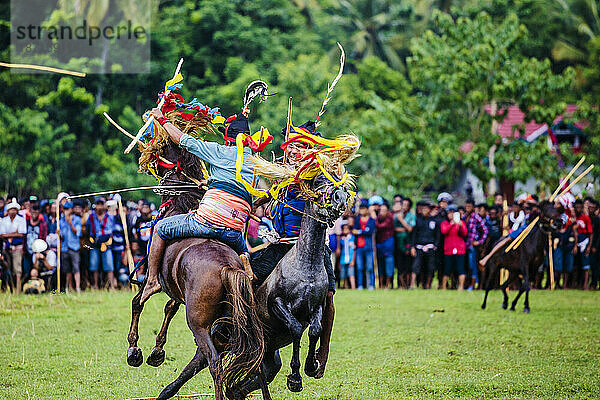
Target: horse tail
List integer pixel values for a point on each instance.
(245, 346)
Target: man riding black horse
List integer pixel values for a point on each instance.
(286, 215)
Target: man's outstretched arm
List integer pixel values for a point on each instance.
(174, 133)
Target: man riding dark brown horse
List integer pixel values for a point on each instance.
(223, 210)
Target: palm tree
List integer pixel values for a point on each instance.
(374, 26)
(582, 17)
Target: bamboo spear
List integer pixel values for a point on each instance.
(566, 179)
(58, 247)
(151, 117)
(126, 234)
(551, 261)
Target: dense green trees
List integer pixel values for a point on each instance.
(418, 76)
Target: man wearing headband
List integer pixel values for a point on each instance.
(287, 216)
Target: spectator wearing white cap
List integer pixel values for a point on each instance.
(45, 260)
(13, 228)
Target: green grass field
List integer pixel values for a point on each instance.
(386, 345)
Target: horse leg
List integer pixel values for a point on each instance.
(311, 365)
(134, 353)
(521, 290)
(264, 386)
(271, 365)
(157, 356)
(281, 311)
(214, 364)
(503, 288)
(489, 276)
(526, 305)
(197, 364)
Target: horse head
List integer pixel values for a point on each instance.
(330, 199)
(176, 166)
(550, 220)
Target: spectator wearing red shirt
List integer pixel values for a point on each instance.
(384, 238)
(454, 231)
(585, 236)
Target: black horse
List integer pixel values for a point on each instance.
(293, 295)
(520, 261)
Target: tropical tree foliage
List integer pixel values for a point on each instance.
(417, 81)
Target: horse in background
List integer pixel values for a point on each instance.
(522, 260)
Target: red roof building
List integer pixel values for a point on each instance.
(510, 127)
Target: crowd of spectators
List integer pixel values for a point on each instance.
(428, 245)
(445, 242)
(92, 236)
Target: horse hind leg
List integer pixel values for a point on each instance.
(492, 270)
(134, 353)
(311, 365)
(281, 311)
(271, 365)
(526, 309)
(157, 356)
(503, 288)
(198, 363)
(521, 290)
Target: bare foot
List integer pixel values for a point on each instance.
(247, 267)
(322, 356)
(149, 289)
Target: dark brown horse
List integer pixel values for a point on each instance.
(520, 261)
(207, 276)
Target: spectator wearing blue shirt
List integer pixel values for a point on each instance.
(364, 229)
(347, 257)
(70, 232)
(100, 226)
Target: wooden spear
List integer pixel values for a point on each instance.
(126, 234)
(58, 245)
(151, 117)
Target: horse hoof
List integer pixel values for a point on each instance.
(504, 306)
(512, 309)
(294, 384)
(134, 356)
(483, 306)
(156, 357)
(311, 369)
(526, 310)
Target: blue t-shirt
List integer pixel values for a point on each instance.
(221, 160)
(347, 246)
(71, 239)
(286, 220)
(97, 227)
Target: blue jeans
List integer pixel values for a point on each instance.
(557, 259)
(107, 260)
(472, 259)
(385, 258)
(364, 261)
(184, 225)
